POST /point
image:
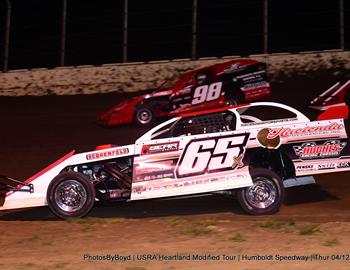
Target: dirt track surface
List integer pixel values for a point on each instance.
(37, 131)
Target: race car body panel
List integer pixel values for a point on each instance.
(336, 112)
(203, 152)
(124, 110)
(332, 97)
(40, 181)
(189, 165)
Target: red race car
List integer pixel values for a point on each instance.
(229, 83)
(333, 96)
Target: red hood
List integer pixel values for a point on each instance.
(122, 104)
(127, 105)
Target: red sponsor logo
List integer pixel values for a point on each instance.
(321, 149)
(108, 153)
(288, 132)
(159, 148)
(312, 150)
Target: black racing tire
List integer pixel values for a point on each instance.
(144, 115)
(70, 195)
(265, 196)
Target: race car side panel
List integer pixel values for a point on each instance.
(189, 165)
(315, 147)
(121, 113)
(184, 165)
(41, 180)
(322, 143)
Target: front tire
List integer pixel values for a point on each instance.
(265, 196)
(144, 115)
(70, 195)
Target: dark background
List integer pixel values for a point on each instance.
(163, 29)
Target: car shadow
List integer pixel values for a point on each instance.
(307, 194)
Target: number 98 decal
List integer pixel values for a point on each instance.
(206, 93)
(211, 155)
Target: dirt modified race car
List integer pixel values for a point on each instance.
(337, 95)
(250, 151)
(216, 86)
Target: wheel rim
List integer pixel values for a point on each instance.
(70, 196)
(144, 116)
(262, 194)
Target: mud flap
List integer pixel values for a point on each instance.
(299, 181)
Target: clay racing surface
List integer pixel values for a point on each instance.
(35, 131)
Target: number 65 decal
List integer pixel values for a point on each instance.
(210, 155)
(206, 93)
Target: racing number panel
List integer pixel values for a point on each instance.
(210, 155)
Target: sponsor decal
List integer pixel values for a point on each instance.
(339, 164)
(146, 171)
(255, 85)
(155, 176)
(208, 92)
(159, 148)
(161, 185)
(312, 150)
(305, 131)
(334, 165)
(233, 68)
(185, 90)
(326, 166)
(268, 122)
(304, 167)
(107, 153)
(343, 165)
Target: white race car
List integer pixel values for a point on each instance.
(251, 151)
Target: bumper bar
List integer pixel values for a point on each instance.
(13, 185)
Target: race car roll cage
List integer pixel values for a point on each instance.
(171, 123)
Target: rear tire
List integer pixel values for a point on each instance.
(70, 195)
(265, 196)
